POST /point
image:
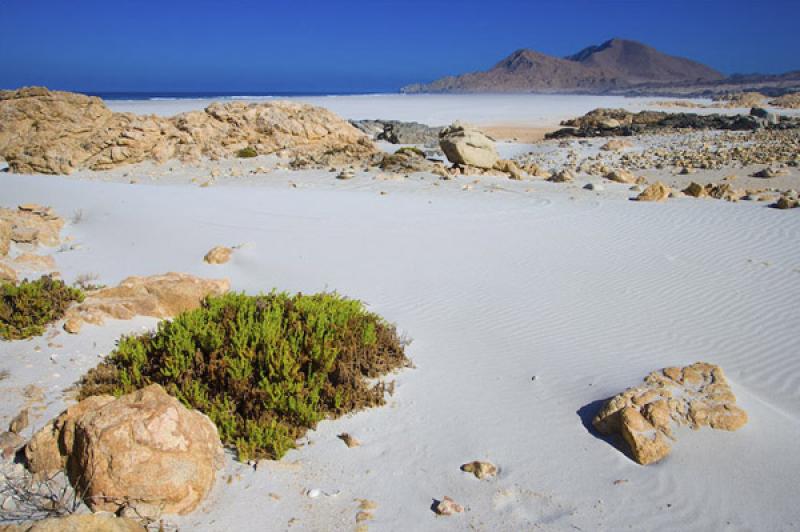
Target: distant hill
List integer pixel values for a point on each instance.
(609, 67)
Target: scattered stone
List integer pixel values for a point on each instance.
(696, 395)
(481, 470)
(466, 146)
(349, 440)
(346, 174)
(769, 172)
(594, 186)
(510, 167)
(218, 255)
(616, 145)
(785, 202)
(658, 191)
(562, 176)
(447, 506)
(20, 421)
(695, 190)
(621, 176)
(157, 296)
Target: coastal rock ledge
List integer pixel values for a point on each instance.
(697, 395)
(53, 132)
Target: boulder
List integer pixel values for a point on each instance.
(102, 522)
(469, 147)
(658, 191)
(157, 296)
(143, 451)
(695, 190)
(54, 132)
(562, 176)
(218, 255)
(697, 395)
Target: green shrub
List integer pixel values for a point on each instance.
(26, 308)
(247, 152)
(264, 368)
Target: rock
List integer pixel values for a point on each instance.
(169, 465)
(10, 444)
(5, 237)
(73, 325)
(349, 440)
(647, 444)
(407, 161)
(7, 273)
(34, 262)
(157, 296)
(724, 191)
(785, 202)
(397, 132)
(58, 132)
(658, 191)
(768, 117)
(218, 255)
(46, 453)
(696, 395)
(594, 186)
(788, 101)
(509, 167)
(346, 174)
(695, 190)
(447, 506)
(24, 235)
(562, 176)
(740, 99)
(769, 172)
(621, 176)
(20, 421)
(480, 469)
(102, 522)
(616, 145)
(466, 146)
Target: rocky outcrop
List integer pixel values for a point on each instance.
(740, 99)
(787, 101)
(53, 132)
(143, 452)
(410, 160)
(697, 395)
(619, 122)
(157, 296)
(397, 132)
(467, 146)
(29, 224)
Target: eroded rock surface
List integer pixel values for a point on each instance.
(157, 296)
(697, 395)
(55, 132)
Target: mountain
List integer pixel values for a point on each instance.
(613, 65)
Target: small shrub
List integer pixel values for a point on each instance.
(411, 150)
(26, 309)
(264, 368)
(246, 153)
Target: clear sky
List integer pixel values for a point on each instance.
(360, 45)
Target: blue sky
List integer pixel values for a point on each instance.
(364, 45)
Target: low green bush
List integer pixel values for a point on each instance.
(264, 368)
(26, 308)
(412, 150)
(247, 152)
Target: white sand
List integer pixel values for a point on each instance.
(533, 110)
(587, 293)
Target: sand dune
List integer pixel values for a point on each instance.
(587, 295)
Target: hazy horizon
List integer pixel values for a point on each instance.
(354, 46)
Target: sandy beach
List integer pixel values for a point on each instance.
(529, 303)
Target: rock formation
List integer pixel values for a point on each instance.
(103, 522)
(53, 132)
(157, 296)
(218, 255)
(143, 452)
(697, 395)
(397, 132)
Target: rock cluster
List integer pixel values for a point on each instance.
(397, 132)
(697, 395)
(619, 122)
(157, 296)
(53, 132)
(788, 101)
(143, 452)
(410, 160)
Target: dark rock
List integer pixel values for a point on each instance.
(397, 132)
